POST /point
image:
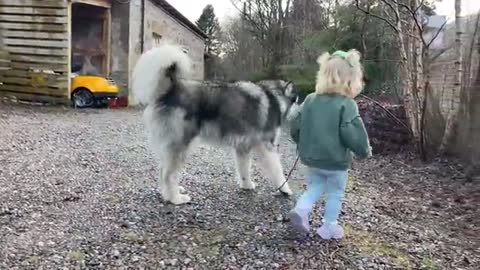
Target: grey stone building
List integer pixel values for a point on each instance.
(153, 22)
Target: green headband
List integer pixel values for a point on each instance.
(343, 55)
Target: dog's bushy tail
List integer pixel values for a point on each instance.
(157, 70)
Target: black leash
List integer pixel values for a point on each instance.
(290, 173)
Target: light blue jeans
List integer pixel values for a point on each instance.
(332, 183)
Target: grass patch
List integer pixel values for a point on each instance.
(77, 255)
(115, 199)
(209, 242)
(133, 237)
(429, 264)
(370, 245)
(34, 260)
(354, 187)
(350, 183)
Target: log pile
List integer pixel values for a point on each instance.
(387, 135)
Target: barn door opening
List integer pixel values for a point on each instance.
(90, 39)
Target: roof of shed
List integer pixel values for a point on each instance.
(180, 17)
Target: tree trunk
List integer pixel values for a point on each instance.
(420, 82)
(452, 120)
(472, 112)
(406, 69)
(364, 31)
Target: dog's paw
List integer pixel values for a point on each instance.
(247, 185)
(285, 190)
(165, 195)
(180, 199)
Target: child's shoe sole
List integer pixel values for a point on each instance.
(324, 233)
(296, 221)
(327, 232)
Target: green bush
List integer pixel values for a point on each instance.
(302, 76)
(259, 76)
(305, 87)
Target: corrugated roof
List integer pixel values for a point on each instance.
(179, 16)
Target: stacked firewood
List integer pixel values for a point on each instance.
(387, 130)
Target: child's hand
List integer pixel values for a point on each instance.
(368, 154)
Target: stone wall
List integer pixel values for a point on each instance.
(161, 27)
(135, 37)
(120, 45)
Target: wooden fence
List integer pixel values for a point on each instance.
(34, 53)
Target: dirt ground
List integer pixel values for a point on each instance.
(78, 191)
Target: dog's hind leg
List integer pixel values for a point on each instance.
(242, 158)
(269, 161)
(170, 189)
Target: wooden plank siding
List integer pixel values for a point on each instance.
(35, 49)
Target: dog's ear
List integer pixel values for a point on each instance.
(284, 85)
(171, 71)
(290, 91)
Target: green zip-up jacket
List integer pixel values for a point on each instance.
(327, 129)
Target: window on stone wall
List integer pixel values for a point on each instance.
(156, 39)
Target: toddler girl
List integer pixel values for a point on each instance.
(327, 129)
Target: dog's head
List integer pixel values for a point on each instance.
(285, 89)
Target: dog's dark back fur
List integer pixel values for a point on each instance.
(231, 110)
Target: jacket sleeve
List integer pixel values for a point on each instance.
(352, 131)
(295, 122)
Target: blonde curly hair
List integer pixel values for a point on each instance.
(340, 73)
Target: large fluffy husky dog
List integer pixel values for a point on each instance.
(243, 115)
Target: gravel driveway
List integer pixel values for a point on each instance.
(78, 191)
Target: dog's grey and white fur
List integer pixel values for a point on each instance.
(243, 115)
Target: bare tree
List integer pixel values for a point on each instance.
(452, 120)
(243, 55)
(268, 20)
(307, 18)
(403, 17)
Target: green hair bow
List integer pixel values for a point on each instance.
(343, 55)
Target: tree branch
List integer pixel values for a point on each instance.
(395, 11)
(413, 14)
(436, 34)
(246, 15)
(357, 4)
(387, 111)
(433, 58)
(422, 3)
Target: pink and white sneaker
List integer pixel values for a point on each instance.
(330, 231)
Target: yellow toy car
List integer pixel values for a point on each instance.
(89, 91)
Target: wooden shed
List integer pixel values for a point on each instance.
(36, 51)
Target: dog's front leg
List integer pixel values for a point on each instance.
(162, 186)
(271, 166)
(171, 191)
(242, 158)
